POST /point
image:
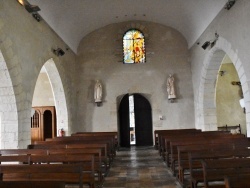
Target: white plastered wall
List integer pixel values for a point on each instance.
(232, 26)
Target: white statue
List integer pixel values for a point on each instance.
(170, 87)
(98, 92)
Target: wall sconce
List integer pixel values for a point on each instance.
(210, 43)
(36, 16)
(58, 52)
(221, 73)
(236, 83)
(229, 4)
(30, 8)
(33, 9)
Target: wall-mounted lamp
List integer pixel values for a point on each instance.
(21, 2)
(236, 83)
(58, 52)
(221, 73)
(36, 16)
(229, 4)
(33, 9)
(210, 43)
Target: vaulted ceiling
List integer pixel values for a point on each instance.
(74, 19)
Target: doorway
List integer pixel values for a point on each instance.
(135, 121)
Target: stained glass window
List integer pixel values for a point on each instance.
(133, 47)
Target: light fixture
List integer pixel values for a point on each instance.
(36, 16)
(222, 72)
(21, 2)
(33, 9)
(229, 4)
(205, 45)
(210, 43)
(58, 52)
(236, 83)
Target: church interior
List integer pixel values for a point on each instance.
(136, 73)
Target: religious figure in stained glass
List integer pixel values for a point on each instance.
(133, 47)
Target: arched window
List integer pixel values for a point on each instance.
(133, 47)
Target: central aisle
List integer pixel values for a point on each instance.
(139, 167)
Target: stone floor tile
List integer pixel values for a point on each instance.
(139, 167)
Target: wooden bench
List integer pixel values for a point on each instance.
(229, 128)
(196, 158)
(78, 139)
(32, 184)
(69, 173)
(92, 134)
(23, 152)
(104, 148)
(159, 133)
(81, 151)
(237, 181)
(171, 151)
(190, 136)
(183, 164)
(85, 160)
(216, 170)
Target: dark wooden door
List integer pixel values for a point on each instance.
(124, 130)
(143, 121)
(48, 128)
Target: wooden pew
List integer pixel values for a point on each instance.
(201, 140)
(237, 181)
(183, 164)
(196, 158)
(216, 170)
(229, 128)
(85, 160)
(173, 143)
(81, 151)
(78, 139)
(190, 136)
(23, 152)
(38, 156)
(69, 173)
(159, 133)
(55, 145)
(92, 134)
(32, 184)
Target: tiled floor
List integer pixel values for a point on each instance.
(139, 167)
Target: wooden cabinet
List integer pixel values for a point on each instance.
(43, 123)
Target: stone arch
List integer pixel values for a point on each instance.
(8, 109)
(59, 95)
(205, 104)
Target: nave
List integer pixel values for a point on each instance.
(139, 167)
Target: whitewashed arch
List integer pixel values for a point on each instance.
(59, 95)
(205, 104)
(8, 109)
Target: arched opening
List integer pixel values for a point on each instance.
(228, 96)
(135, 121)
(206, 114)
(49, 98)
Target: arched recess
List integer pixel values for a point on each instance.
(8, 109)
(142, 129)
(59, 95)
(205, 103)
